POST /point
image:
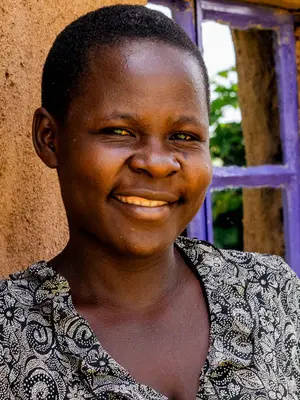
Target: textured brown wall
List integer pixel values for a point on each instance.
(32, 220)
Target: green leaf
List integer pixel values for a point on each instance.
(227, 147)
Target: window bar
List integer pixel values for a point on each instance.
(244, 16)
(258, 176)
(287, 176)
(183, 13)
(209, 217)
(198, 227)
(287, 83)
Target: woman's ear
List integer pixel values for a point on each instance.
(44, 136)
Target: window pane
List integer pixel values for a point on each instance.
(249, 220)
(245, 127)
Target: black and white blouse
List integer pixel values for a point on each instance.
(49, 352)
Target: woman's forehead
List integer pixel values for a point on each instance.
(138, 75)
(143, 57)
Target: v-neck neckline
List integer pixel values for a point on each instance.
(95, 363)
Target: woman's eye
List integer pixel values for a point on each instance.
(114, 132)
(121, 132)
(182, 136)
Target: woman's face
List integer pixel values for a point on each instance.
(133, 156)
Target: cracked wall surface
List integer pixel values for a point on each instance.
(32, 220)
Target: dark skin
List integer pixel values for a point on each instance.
(137, 132)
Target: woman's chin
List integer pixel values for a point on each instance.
(136, 243)
(145, 248)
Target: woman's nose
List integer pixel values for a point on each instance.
(154, 160)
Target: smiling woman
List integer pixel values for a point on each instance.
(131, 132)
(129, 310)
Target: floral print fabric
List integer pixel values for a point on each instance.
(48, 351)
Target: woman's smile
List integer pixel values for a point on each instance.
(143, 209)
(140, 201)
(138, 167)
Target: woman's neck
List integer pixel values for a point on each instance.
(98, 278)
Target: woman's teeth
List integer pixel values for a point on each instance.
(139, 201)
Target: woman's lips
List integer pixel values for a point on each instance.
(140, 208)
(140, 201)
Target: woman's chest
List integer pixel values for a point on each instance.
(166, 356)
(170, 367)
(34, 360)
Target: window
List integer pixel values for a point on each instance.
(265, 180)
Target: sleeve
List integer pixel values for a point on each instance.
(9, 343)
(288, 349)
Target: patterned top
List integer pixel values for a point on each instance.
(49, 352)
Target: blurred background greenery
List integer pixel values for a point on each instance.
(227, 148)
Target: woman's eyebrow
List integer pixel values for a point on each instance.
(187, 120)
(120, 115)
(181, 120)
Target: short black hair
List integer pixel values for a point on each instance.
(68, 58)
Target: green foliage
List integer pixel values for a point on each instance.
(227, 208)
(227, 148)
(227, 144)
(226, 141)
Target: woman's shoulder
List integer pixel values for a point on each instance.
(263, 284)
(18, 292)
(247, 268)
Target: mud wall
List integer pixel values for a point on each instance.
(32, 220)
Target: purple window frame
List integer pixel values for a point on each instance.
(286, 176)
